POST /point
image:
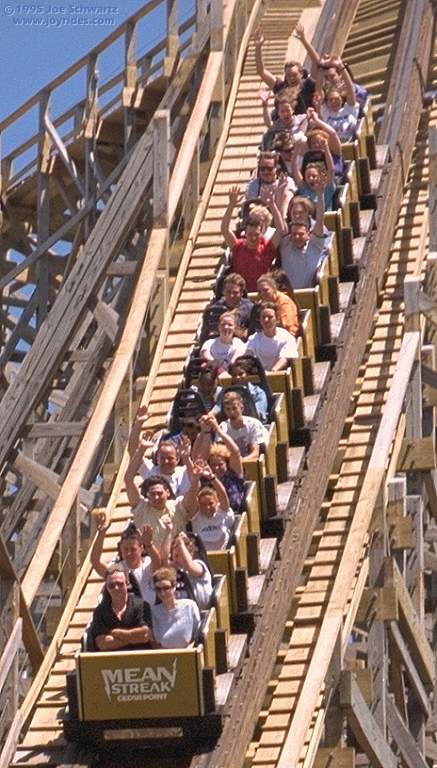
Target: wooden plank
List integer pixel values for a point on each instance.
(11, 740)
(403, 738)
(432, 141)
(365, 728)
(331, 757)
(420, 649)
(55, 429)
(161, 167)
(108, 319)
(417, 454)
(10, 650)
(410, 669)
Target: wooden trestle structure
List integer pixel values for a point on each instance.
(110, 241)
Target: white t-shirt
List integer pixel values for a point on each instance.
(202, 586)
(269, 350)
(224, 353)
(251, 433)
(343, 122)
(301, 264)
(178, 480)
(214, 531)
(177, 627)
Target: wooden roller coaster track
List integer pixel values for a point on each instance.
(318, 590)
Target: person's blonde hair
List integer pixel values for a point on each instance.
(220, 450)
(261, 214)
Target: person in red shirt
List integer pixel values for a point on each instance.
(253, 254)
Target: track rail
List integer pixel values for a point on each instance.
(328, 601)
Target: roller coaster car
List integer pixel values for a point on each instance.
(145, 697)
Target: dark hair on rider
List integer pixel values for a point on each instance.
(156, 480)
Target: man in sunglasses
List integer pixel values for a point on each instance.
(266, 181)
(122, 620)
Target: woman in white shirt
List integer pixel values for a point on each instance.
(339, 112)
(273, 346)
(175, 622)
(226, 347)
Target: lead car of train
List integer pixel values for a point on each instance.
(143, 698)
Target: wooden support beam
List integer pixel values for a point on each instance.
(217, 24)
(108, 319)
(130, 84)
(55, 429)
(43, 205)
(432, 144)
(403, 738)
(30, 635)
(410, 668)
(102, 246)
(400, 530)
(364, 726)
(63, 230)
(43, 477)
(91, 104)
(331, 757)
(161, 167)
(377, 640)
(69, 164)
(10, 743)
(122, 268)
(10, 651)
(46, 479)
(431, 493)
(412, 628)
(414, 573)
(172, 43)
(417, 454)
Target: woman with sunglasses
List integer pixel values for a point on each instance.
(175, 622)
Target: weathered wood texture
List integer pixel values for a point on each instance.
(238, 728)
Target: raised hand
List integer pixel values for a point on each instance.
(299, 32)
(146, 440)
(264, 96)
(102, 521)
(311, 114)
(142, 415)
(258, 38)
(267, 194)
(147, 535)
(168, 524)
(235, 196)
(185, 449)
(282, 183)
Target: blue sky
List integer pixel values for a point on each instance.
(41, 39)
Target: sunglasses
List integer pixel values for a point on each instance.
(165, 588)
(115, 585)
(266, 168)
